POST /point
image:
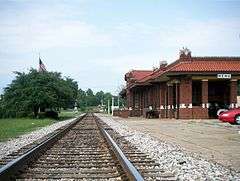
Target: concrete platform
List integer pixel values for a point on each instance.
(213, 140)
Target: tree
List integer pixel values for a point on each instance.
(107, 96)
(81, 99)
(90, 98)
(99, 97)
(34, 91)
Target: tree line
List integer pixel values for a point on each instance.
(37, 92)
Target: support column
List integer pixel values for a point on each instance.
(141, 102)
(162, 100)
(170, 101)
(177, 99)
(108, 106)
(112, 105)
(205, 104)
(129, 99)
(233, 93)
(185, 99)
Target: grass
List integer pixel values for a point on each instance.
(14, 127)
(68, 114)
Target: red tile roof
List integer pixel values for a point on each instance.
(153, 75)
(207, 66)
(140, 74)
(194, 64)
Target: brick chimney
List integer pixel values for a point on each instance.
(185, 55)
(163, 65)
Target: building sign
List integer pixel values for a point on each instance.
(224, 76)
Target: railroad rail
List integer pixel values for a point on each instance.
(86, 149)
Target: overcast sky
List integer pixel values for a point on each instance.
(97, 42)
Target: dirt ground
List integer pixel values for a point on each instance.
(211, 139)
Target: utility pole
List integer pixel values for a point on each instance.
(108, 106)
(118, 102)
(112, 105)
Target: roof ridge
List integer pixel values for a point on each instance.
(212, 58)
(142, 70)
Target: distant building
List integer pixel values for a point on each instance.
(190, 87)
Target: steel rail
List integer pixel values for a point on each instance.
(130, 170)
(14, 166)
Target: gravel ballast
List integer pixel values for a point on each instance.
(172, 157)
(17, 143)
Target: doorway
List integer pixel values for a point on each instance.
(218, 96)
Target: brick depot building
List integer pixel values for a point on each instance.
(190, 87)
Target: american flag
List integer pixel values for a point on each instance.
(42, 67)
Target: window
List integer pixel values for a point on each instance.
(197, 93)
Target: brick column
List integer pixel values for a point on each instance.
(141, 102)
(185, 99)
(205, 105)
(170, 101)
(129, 98)
(233, 93)
(130, 101)
(149, 96)
(162, 100)
(177, 99)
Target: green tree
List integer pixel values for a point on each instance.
(99, 97)
(35, 90)
(90, 98)
(81, 99)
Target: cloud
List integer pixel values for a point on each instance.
(214, 35)
(98, 51)
(37, 29)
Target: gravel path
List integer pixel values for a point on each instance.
(17, 143)
(171, 157)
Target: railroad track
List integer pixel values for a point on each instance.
(87, 149)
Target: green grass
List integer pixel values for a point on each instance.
(68, 114)
(13, 127)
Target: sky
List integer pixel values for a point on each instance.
(96, 42)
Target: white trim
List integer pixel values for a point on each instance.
(190, 106)
(207, 105)
(233, 105)
(182, 106)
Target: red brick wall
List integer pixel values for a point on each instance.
(162, 99)
(204, 91)
(233, 91)
(185, 97)
(199, 113)
(121, 113)
(185, 88)
(135, 113)
(170, 101)
(185, 113)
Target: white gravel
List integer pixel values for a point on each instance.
(17, 143)
(171, 157)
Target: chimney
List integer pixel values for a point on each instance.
(163, 65)
(185, 54)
